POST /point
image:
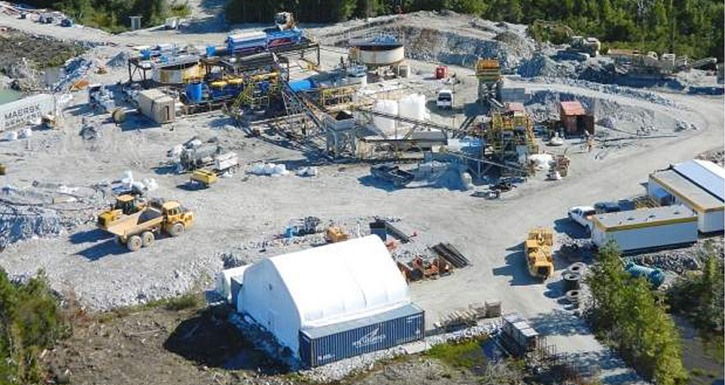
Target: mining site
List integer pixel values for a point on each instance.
(415, 198)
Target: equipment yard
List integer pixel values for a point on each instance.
(58, 180)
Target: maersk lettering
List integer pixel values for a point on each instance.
(22, 115)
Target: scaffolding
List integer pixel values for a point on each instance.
(256, 92)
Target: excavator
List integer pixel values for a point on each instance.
(125, 204)
(537, 248)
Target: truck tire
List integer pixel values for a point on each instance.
(573, 296)
(147, 238)
(134, 243)
(576, 268)
(176, 229)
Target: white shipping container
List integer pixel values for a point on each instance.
(25, 110)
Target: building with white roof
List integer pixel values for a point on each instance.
(697, 184)
(331, 302)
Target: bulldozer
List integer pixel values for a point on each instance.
(125, 204)
(537, 248)
(141, 228)
(335, 234)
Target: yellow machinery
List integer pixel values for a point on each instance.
(140, 229)
(335, 234)
(204, 176)
(3, 170)
(125, 205)
(488, 70)
(537, 248)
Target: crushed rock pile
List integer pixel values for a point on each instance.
(544, 66)
(27, 222)
(119, 60)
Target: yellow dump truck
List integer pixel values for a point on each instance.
(204, 176)
(140, 229)
(538, 252)
(125, 205)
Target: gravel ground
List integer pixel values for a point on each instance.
(241, 213)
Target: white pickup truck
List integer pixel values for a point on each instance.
(582, 215)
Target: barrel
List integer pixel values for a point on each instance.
(210, 51)
(146, 54)
(194, 92)
(571, 281)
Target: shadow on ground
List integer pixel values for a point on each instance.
(103, 249)
(516, 268)
(208, 339)
(559, 322)
(570, 228)
(89, 236)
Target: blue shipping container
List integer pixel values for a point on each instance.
(322, 345)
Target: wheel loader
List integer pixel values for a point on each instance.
(125, 204)
(537, 248)
(141, 228)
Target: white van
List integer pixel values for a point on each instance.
(445, 99)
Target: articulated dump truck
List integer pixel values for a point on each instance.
(140, 229)
(537, 248)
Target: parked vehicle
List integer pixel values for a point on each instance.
(537, 249)
(614, 207)
(582, 215)
(141, 228)
(126, 204)
(445, 99)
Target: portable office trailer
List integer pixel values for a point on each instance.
(654, 228)
(157, 106)
(325, 344)
(670, 187)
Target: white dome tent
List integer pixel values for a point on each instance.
(348, 289)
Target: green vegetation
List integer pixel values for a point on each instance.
(113, 15)
(627, 315)
(462, 355)
(685, 27)
(30, 321)
(190, 300)
(701, 297)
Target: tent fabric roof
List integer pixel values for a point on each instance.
(342, 280)
(709, 176)
(572, 108)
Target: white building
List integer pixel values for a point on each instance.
(699, 185)
(331, 302)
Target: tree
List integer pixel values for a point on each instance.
(627, 315)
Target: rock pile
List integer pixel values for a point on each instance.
(26, 222)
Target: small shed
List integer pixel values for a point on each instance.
(156, 105)
(646, 229)
(575, 119)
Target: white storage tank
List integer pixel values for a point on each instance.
(379, 51)
(646, 229)
(412, 106)
(386, 125)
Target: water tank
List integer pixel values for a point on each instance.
(194, 92)
(412, 106)
(654, 276)
(379, 51)
(302, 85)
(386, 125)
